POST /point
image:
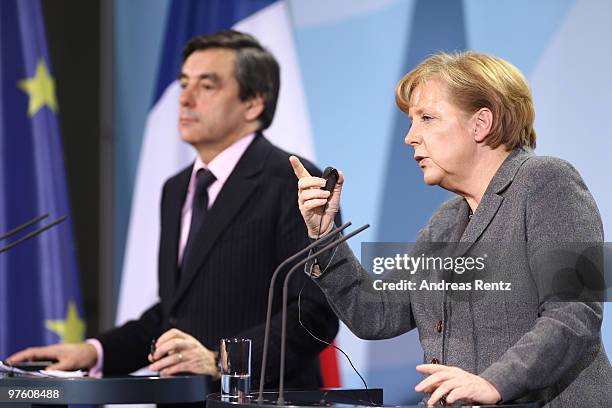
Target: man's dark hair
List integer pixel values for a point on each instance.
(256, 69)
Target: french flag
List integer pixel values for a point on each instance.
(163, 153)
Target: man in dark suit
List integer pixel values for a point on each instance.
(226, 222)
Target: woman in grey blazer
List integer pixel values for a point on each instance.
(472, 134)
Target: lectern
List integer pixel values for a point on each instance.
(38, 392)
(333, 398)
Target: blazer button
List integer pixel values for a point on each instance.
(439, 326)
(173, 321)
(435, 361)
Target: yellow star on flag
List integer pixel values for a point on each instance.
(71, 329)
(41, 89)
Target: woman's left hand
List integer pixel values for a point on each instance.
(178, 352)
(453, 384)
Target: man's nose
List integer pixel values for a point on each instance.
(186, 97)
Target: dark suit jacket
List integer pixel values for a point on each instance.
(253, 225)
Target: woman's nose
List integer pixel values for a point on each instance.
(412, 137)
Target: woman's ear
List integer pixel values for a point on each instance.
(483, 122)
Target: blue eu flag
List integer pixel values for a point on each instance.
(40, 300)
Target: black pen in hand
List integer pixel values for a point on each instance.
(153, 347)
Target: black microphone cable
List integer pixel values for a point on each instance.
(365, 385)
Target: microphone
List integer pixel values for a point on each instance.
(31, 234)
(24, 226)
(264, 358)
(281, 386)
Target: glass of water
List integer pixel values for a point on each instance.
(235, 360)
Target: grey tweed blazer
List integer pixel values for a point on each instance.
(529, 350)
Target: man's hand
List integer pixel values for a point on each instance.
(453, 384)
(69, 356)
(178, 352)
(318, 207)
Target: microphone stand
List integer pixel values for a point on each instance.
(281, 386)
(264, 358)
(31, 234)
(24, 226)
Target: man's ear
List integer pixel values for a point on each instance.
(483, 122)
(254, 107)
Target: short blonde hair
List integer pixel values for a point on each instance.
(477, 81)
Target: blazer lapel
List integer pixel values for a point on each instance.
(482, 217)
(234, 194)
(492, 198)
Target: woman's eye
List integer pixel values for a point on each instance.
(426, 118)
